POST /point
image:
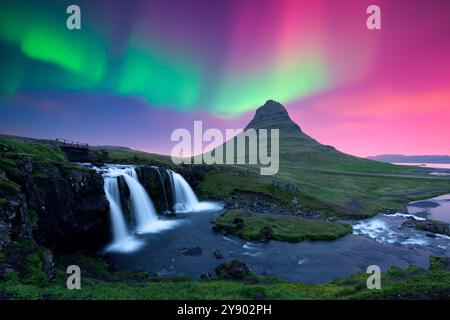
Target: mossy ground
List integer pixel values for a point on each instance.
(98, 283)
(357, 193)
(41, 152)
(284, 228)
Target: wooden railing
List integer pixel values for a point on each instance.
(72, 144)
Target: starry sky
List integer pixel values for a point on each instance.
(139, 69)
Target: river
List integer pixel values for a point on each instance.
(380, 240)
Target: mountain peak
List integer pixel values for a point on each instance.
(272, 115)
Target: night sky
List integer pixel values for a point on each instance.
(139, 69)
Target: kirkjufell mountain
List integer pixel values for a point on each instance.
(296, 147)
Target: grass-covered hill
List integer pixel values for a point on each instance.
(314, 178)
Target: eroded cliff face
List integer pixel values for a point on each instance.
(63, 207)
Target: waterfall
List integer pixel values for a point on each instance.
(119, 228)
(124, 237)
(122, 241)
(141, 205)
(143, 208)
(185, 198)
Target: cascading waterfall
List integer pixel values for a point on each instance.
(119, 228)
(143, 208)
(122, 240)
(145, 216)
(184, 197)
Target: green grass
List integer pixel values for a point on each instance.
(284, 228)
(9, 186)
(351, 193)
(44, 153)
(135, 157)
(411, 283)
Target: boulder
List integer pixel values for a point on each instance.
(266, 233)
(292, 187)
(431, 226)
(205, 276)
(218, 254)
(233, 270)
(193, 251)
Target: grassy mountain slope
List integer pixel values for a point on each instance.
(329, 182)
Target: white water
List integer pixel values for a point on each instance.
(122, 241)
(142, 208)
(119, 227)
(185, 198)
(388, 228)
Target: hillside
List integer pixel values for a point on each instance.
(317, 179)
(313, 179)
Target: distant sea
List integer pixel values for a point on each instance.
(427, 165)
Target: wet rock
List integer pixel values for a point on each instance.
(193, 251)
(49, 264)
(234, 270)
(430, 226)
(205, 276)
(14, 217)
(220, 229)
(61, 206)
(292, 187)
(218, 254)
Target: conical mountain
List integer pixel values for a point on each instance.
(295, 147)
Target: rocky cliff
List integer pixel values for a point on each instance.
(60, 206)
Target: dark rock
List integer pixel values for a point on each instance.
(218, 254)
(292, 187)
(14, 217)
(205, 276)
(266, 233)
(261, 203)
(234, 270)
(125, 201)
(62, 207)
(157, 181)
(220, 229)
(238, 223)
(431, 226)
(194, 251)
(48, 264)
(238, 220)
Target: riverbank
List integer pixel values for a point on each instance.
(99, 283)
